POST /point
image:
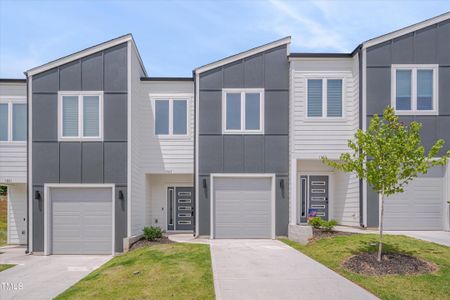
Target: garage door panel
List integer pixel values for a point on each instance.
(81, 220)
(242, 207)
(420, 207)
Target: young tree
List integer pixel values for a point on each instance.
(388, 156)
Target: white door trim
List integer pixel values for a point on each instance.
(242, 175)
(330, 189)
(47, 201)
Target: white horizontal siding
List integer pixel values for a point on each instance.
(17, 214)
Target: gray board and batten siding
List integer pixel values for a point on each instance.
(244, 153)
(97, 162)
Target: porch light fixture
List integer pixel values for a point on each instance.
(204, 183)
(121, 197)
(37, 195)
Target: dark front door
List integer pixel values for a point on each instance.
(313, 196)
(180, 208)
(318, 195)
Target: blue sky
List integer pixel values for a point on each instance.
(174, 37)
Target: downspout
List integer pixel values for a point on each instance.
(194, 162)
(28, 192)
(360, 85)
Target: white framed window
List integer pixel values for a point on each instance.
(243, 111)
(80, 115)
(414, 89)
(171, 115)
(324, 98)
(13, 120)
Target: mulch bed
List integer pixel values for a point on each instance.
(146, 243)
(391, 264)
(320, 234)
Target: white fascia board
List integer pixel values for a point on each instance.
(406, 30)
(230, 59)
(80, 54)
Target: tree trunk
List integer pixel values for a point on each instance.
(381, 208)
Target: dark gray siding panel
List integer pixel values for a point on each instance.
(254, 154)
(115, 162)
(429, 130)
(233, 75)
(45, 117)
(444, 90)
(379, 55)
(120, 217)
(276, 112)
(115, 64)
(425, 43)
(402, 49)
(210, 114)
(276, 153)
(92, 75)
(233, 154)
(38, 220)
(443, 132)
(372, 208)
(70, 77)
(204, 205)
(70, 162)
(282, 205)
(276, 68)
(46, 82)
(211, 80)
(45, 163)
(92, 164)
(378, 90)
(444, 43)
(115, 117)
(211, 153)
(254, 71)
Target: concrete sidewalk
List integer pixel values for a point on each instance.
(43, 277)
(438, 237)
(269, 269)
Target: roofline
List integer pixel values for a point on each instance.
(13, 80)
(241, 55)
(320, 55)
(80, 54)
(406, 30)
(167, 78)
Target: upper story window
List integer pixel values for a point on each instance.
(170, 115)
(243, 111)
(324, 98)
(13, 120)
(414, 89)
(80, 116)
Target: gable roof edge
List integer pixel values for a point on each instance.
(244, 54)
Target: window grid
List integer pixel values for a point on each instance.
(11, 103)
(172, 133)
(414, 69)
(243, 123)
(81, 134)
(326, 113)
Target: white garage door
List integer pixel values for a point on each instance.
(242, 207)
(420, 207)
(81, 221)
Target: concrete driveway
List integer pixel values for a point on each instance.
(43, 277)
(269, 269)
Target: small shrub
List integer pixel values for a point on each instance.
(316, 222)
(329, 225)
(152, 233)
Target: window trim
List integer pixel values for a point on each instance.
(243, 91)
(10, 101)
(324, 116)
(414, 68)
(171, 98)
(80, 95)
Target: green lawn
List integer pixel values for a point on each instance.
(3, 218)
(168, 271)
(333, 251)
(3, 267)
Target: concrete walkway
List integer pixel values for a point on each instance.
(43, 277)
(438, 237)
(269, 269)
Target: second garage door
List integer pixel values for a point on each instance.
(81, 221)
(242, 207)
(420, 207)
